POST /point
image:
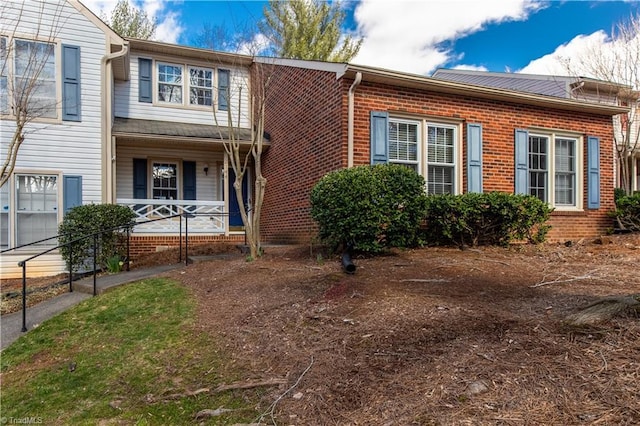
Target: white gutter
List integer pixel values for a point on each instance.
(350, 119)
(108, 148)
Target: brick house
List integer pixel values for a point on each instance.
(460, 137)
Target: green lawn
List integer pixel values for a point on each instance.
(117, 357)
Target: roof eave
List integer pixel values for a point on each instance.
(189, 52)
(414, 81)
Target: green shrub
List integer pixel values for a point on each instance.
(618, 193)
(88, 219)
(369, 208)
(492, 218)
(627, 212)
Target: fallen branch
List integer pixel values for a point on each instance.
(605, 309)
(273, 406)
(559, 280)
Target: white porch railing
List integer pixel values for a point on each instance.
(209, 215)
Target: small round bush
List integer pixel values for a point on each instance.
(369, 208)
(85, 220)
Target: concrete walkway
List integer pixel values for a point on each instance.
(11, 324)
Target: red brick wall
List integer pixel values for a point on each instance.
(307, 119)
(145, 244)
(307, 124)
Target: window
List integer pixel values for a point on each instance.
(434, 156)
(165, 181)
(403, 143)
(37, 208)
(4, 57)
(35, 73)
(441, 159)
(194, 87)
(553, 163)
(170, 83)
(200, 86)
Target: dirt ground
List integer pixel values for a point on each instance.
(434, 336)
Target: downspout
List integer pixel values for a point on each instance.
(350, 119)
(108, 151)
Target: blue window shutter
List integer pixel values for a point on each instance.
(474, 157)
(72, 192)
(70, 83)
(379, 137)
(145, 88)
(522, 161)
(189, 180)
(139, 178)
(223, 90)
(593, 170)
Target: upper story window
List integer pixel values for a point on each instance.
(31, 81)
(434, 156)
(29, 77)
(170, 83)
(200, 86)
(186, 85)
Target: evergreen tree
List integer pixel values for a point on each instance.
(308, 29)
(129, 21)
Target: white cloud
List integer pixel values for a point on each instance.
(168, 29)
(471, 67)
(407, 35)
(552, 64)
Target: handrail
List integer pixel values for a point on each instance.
(127, 227)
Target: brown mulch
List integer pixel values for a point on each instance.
(434, 336)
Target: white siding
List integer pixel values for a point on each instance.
(56, 146)
(127, 105)
(45, 265)
(207, 186)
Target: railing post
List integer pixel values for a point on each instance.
(24, 295)
(128, 248)
(95, 255)
(180, 241)
(186, 239)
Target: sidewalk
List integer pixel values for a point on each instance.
(11, 324)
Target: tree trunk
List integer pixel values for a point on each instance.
(604, 310)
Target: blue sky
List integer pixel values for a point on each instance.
(421, 36)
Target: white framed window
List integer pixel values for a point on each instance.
(554, 161)
(200, 86)
(170, 83)
(29, 69)
(36, 201)
(430, 149)
(165, 181)
(441, 159)
(404, 137)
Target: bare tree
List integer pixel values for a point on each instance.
(244, 147)
(618, 64)
(27, 71)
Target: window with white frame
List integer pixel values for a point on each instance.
(170, 83)
(36, 208)
(200, 86)
(165, 181)
(31, 66)
(553, 165)
(434, 156)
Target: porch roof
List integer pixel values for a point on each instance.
(153, 129)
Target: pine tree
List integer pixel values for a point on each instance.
(129, 21)
(308, 29)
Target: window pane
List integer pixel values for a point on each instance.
(440, 141)
(37, 208)
(440, 180)
(565, 176)
(538, 147)
(35, 76)
(165, 184)
(170, 83)
(403, 143)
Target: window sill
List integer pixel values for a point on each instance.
(578, 213)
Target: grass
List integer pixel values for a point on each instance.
(115, 358)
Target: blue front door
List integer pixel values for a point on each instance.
(235, 219)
